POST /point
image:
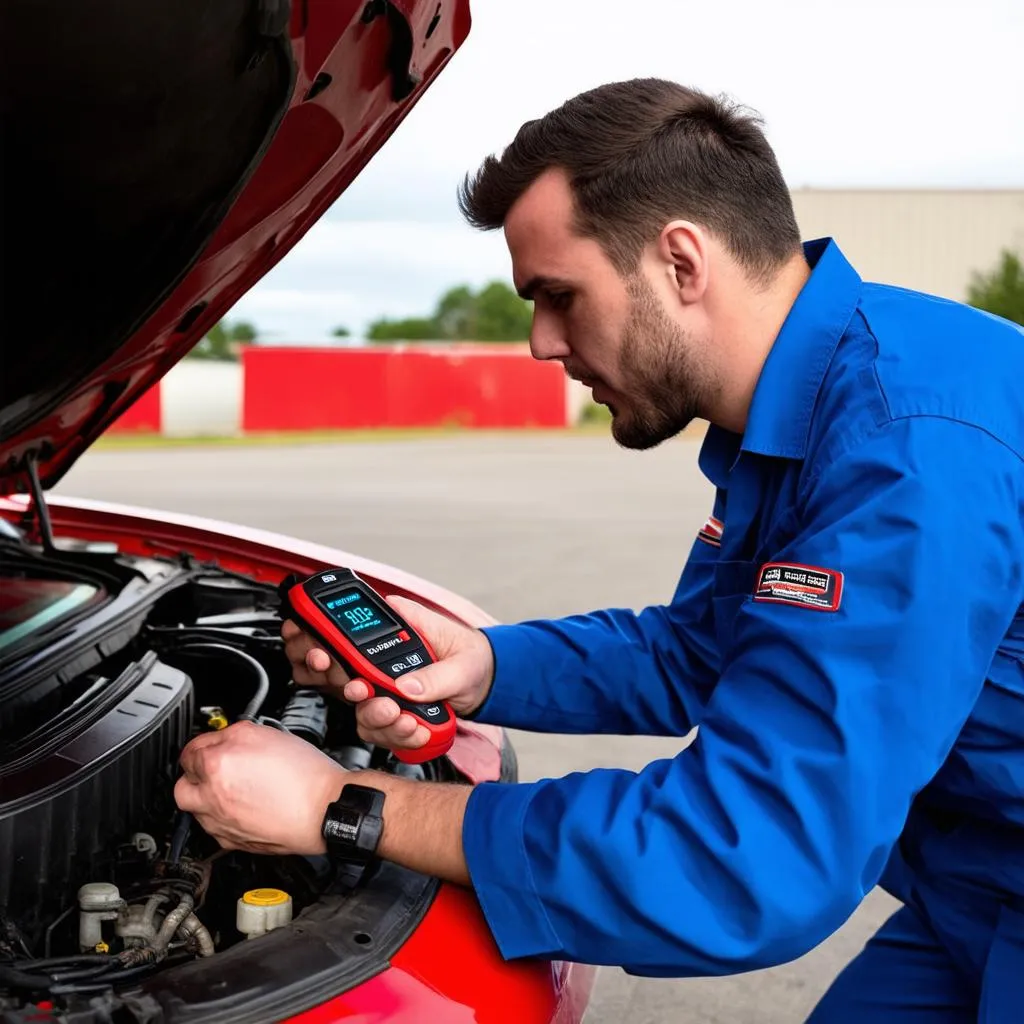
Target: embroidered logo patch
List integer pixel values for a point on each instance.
(711, 532)
(806, 586)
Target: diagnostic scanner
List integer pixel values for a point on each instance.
(371, 641)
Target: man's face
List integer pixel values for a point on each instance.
(613, 333)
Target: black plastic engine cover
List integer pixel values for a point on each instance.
(65, 797)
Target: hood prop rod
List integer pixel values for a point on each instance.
(39, 506)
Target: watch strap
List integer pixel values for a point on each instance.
(353, 823)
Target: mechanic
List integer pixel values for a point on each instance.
(847, 632)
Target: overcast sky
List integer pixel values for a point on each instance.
(862, 93)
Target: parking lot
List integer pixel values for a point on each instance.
(528, 525)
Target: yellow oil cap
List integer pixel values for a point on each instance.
(217, 720)
(265, 897)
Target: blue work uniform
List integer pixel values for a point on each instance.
(848, 637)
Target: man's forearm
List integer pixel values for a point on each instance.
(422, 824)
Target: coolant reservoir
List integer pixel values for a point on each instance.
(262, 910)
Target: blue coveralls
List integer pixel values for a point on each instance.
(848, 635)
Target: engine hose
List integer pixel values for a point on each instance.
(249, 713)
(115, 976)
(23, 980)
(252, 709)
(137, 957)
(59, 977)
(305, 715)
(152, 904)
(192, 927)
(180, 836)
(73, 960)
(44, 974)
(171, 923)
(188, 874)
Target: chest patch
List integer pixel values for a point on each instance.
(806, 586)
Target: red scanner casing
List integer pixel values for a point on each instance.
(389, 648)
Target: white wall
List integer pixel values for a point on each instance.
(200, 397)
(577, 395)
(930, 240)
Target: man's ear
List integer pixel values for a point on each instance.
(684, 252)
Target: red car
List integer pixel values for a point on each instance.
(158, 159)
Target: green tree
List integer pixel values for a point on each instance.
(1001, 290)
(495, 313)
(501, 315)
(413, 329)
(222, 340)
(455, 316)
(341, 332)
(243, 331)
(216, 344)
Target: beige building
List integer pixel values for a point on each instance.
(929, 240)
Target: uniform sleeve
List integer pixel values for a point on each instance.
(614, 671)
(759, 840)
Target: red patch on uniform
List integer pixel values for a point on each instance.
(711, 532)
(806, 586)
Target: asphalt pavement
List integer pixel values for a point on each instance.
(524, 525)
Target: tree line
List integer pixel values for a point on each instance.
(494, 313)
(497, 313)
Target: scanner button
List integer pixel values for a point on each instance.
(432, 714)
(399, 664)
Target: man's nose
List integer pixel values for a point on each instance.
(547, 339)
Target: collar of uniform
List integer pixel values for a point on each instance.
(780, 414)
(718, 455)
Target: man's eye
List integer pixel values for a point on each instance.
(560, 300)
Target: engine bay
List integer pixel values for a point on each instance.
(113, 905)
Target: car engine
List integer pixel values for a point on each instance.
(108, 666)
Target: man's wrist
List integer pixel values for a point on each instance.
(491, 674)
(422, 824)
(353, 822)
(422, 827)
(328, 790)
(396, 798)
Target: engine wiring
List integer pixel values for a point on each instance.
(85, 973)
(47, 976)
(158, 924)
(250, 713)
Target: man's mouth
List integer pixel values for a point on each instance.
(600, 392)
(583, 378)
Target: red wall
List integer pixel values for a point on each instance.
(142, 416)
(473, 386)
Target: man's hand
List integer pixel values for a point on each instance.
(255, 788)
(462, 675)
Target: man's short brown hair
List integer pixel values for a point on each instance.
(639, 154)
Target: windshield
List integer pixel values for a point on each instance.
(29, 605)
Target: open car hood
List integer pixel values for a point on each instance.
(158, 160)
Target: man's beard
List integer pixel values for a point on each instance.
(665, 384)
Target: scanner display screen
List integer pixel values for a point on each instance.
(360, 619)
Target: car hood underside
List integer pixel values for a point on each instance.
(158, 160)
(128, 133)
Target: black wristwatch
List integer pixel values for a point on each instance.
(353, 824)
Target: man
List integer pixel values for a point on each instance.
(847, 632)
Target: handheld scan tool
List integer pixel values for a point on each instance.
(371, 642)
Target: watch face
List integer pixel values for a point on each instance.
(342, 825)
